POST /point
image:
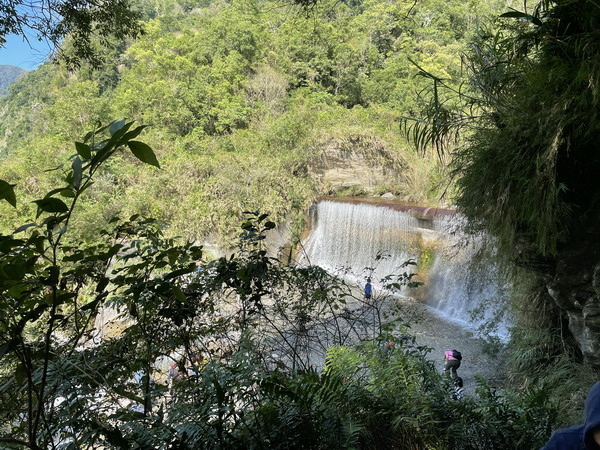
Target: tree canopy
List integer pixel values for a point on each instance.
(85, 23)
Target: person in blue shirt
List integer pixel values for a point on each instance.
(368, 290)
(580, 437)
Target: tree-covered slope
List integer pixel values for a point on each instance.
(8, 75)
(239, 97)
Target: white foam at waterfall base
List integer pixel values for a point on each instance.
(347, 238)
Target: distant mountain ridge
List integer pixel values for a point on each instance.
(8, 75)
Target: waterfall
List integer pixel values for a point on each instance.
(349, 238)
(465, 283)
(361, 240)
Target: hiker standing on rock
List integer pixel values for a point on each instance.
(452, 360)
(368, 290)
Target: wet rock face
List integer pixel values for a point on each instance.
(575, 287)
(587, 338)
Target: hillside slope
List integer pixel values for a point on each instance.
(242, 101)
(8, 75)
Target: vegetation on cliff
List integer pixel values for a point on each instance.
(239, 98)
(526, 173)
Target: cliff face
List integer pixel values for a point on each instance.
(8, 75)
(575, 287)
(355, 160)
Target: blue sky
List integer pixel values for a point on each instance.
(16, 52)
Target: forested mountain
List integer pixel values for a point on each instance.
(239, 97)
(8, 75)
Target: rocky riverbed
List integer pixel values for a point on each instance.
(433, 331)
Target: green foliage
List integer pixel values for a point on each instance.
(350, 191)
(526, 170)
(502, 419)
(241, 99)
(544, 355)
(41, 280)
(262, 329)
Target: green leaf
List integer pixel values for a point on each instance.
(60, 166)
(86, 186)
(77, 172)
(53, 192)
(8, 347)
(15, 270)
(84, 150)
(53, 275)
(115, 126)
(178, 293)
(102, 284)
(88, 136)
(90, 305)
(51, 205)
(8, 193)
(143, 152)
(522, 15)
(53, 221)
(24, 227)
(101, 155)
(133, 133)
(178, 272)
(17, 290)
(64, 296)
(74, 257)
(20, 373)
(68, 193)
(117, 138)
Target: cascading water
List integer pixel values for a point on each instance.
(347, 238)
(465, 283)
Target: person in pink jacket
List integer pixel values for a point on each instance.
(452, 360)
